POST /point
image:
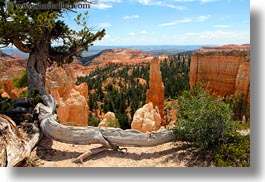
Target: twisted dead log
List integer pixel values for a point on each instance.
(13, 147)
(110, 138)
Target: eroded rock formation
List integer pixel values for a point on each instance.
(72, 99)
(156, 91)
(11, 66)
(146, 119)
(109, 116)
(223, 70)
(10, 91)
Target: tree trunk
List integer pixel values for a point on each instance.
(36, 67)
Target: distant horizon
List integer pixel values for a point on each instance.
(139, 45)
(145, 48)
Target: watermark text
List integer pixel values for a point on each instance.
(49, 5)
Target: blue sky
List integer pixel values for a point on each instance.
(170, 22)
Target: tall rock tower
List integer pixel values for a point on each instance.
(156, 91)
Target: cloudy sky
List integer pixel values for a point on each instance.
(170, 22)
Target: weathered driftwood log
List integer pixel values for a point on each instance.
(88, 135)
(108, 137)
(13, 147)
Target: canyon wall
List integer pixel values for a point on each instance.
(223, 70)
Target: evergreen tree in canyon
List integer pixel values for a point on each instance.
(33, 30)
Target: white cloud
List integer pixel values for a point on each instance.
(175, 7)
(104, 25)
(214, 37)
(145, 2)
(104, 4)
(132, 34)
(168, 3)
(110, 1)
(207, 1)
(186, 20)
(176, 22)
(167, 24)
(101, 6)
(184, 1)
(131, 17)
(143, 32)
(161, 3)
(201, 18)
(221, 26)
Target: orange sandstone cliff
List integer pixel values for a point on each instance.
(223, 70)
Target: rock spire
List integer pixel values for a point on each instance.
(156, 91)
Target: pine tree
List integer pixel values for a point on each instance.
(33, 30)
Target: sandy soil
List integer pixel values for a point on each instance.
(50, 153)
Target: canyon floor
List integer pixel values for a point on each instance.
(50, 153)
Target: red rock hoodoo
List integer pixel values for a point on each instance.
(72, 99)
(156, 91)
(223, 70)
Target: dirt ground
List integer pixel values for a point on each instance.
(50, 153)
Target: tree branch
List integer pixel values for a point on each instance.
(22, 47)
(75, 48)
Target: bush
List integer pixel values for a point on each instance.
(114, 123)
(24, 93)
(5, 104)
(236, 153)
(22, 81)
(203, 120)
(93, 120)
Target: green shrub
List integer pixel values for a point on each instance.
(22, 81)
(113, 123)
(236, 153)
(242, 126)
(1, 86)
(5, 104)
(93, 120)
(24, 93)
(203, 120)
(238, 105)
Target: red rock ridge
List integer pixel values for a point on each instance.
(123, 56)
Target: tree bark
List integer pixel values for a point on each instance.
(36, 67)
(13, 147)
(108, 137)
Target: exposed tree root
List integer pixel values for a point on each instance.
(17, 149)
